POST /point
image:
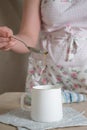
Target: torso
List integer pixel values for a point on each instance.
(62, 12)
(60, 20)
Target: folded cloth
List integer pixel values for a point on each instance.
(22, 120)
(71, 96)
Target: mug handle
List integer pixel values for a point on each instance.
(23, 107)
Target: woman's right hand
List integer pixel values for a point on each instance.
(5, 38)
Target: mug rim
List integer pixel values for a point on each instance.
(46, 87)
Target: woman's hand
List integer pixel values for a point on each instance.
(28, 32)
(6, 42)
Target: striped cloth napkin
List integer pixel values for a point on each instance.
(70, 97)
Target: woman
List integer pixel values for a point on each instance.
(63, 24)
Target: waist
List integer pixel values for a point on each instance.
(68, 36)
(65, 33)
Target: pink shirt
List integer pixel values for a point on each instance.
(64, 28)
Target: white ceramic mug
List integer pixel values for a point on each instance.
(46, 103)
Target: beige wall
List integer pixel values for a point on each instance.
(13, 66)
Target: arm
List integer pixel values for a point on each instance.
(29, 28)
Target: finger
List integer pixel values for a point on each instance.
(5, 32)
(9, 46)
(7, 42)
(4, 39)
(3, 44)
(4, 49)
